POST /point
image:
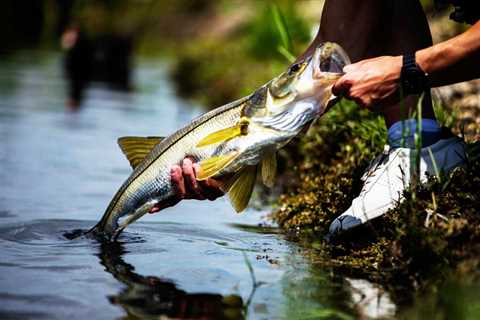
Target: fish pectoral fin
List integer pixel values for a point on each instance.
(211, 166)
(137, 148)
(240, 188)
(221, 136)
(269, 169)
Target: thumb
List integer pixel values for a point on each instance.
(349, 67)
(341, 87)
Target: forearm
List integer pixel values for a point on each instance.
(454, 60)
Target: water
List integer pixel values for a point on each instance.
(59, 170)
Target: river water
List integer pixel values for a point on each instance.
(59, 170)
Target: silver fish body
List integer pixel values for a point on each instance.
(233, 139)
(150, 181)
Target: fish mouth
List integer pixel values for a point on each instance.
(329, 60)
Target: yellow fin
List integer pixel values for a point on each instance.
(136, 148)
(221, 136)
(241, 188)
(210, 167)
(269, 169)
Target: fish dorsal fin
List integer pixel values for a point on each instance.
(269, 169)
(240, 187)
(211, 166)
(225, 134)
(137, 148)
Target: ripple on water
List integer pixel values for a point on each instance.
(153, 237)
(43, 232)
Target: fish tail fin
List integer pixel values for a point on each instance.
(77, 233)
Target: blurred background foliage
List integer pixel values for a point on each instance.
(220, 50)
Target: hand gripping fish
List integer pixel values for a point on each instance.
(237, 140)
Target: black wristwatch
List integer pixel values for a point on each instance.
(413, 79)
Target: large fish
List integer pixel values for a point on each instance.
(236, 140)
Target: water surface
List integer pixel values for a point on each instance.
(59, 169)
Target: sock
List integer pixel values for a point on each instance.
(401, 133)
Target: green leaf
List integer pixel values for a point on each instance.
(282, 28)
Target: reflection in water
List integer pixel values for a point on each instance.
(149, 296)
(104, 59)
(101, 54)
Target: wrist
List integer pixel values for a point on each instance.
(397, 67)
(421, 56)
(413, 78)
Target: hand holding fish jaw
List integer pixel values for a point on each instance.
(371, 82)
(187, 187)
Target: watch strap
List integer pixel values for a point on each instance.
(413, 79)
(409, 61)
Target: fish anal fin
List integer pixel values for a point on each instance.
(211, 166)
(241, 188)
(269, 169)
(137, 148)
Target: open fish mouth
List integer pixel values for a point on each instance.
(330, 58)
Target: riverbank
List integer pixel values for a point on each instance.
(431, 235)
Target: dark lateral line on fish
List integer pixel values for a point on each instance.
(201, 120)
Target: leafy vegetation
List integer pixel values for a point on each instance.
(218, 70)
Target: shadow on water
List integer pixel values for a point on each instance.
(148, 296)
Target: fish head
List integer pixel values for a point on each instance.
(310, 78)
(324, 67)
(301, 93)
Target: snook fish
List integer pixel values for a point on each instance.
(239, 139)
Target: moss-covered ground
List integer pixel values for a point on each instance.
(432, 234)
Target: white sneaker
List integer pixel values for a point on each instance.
(390, 174)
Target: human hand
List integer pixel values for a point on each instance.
(371, 82)
(187, 187)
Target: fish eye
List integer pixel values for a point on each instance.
(294, 69)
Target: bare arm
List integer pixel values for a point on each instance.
(454, 60)
(376, 81)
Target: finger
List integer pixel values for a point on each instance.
(348, 68)
(165, 204)
(179, 187)
(211, 188)
(341, 87)
(193, 189)
(176, 177)
(353, 66)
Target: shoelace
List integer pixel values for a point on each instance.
(374, 167)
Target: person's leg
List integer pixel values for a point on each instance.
(371, 28)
